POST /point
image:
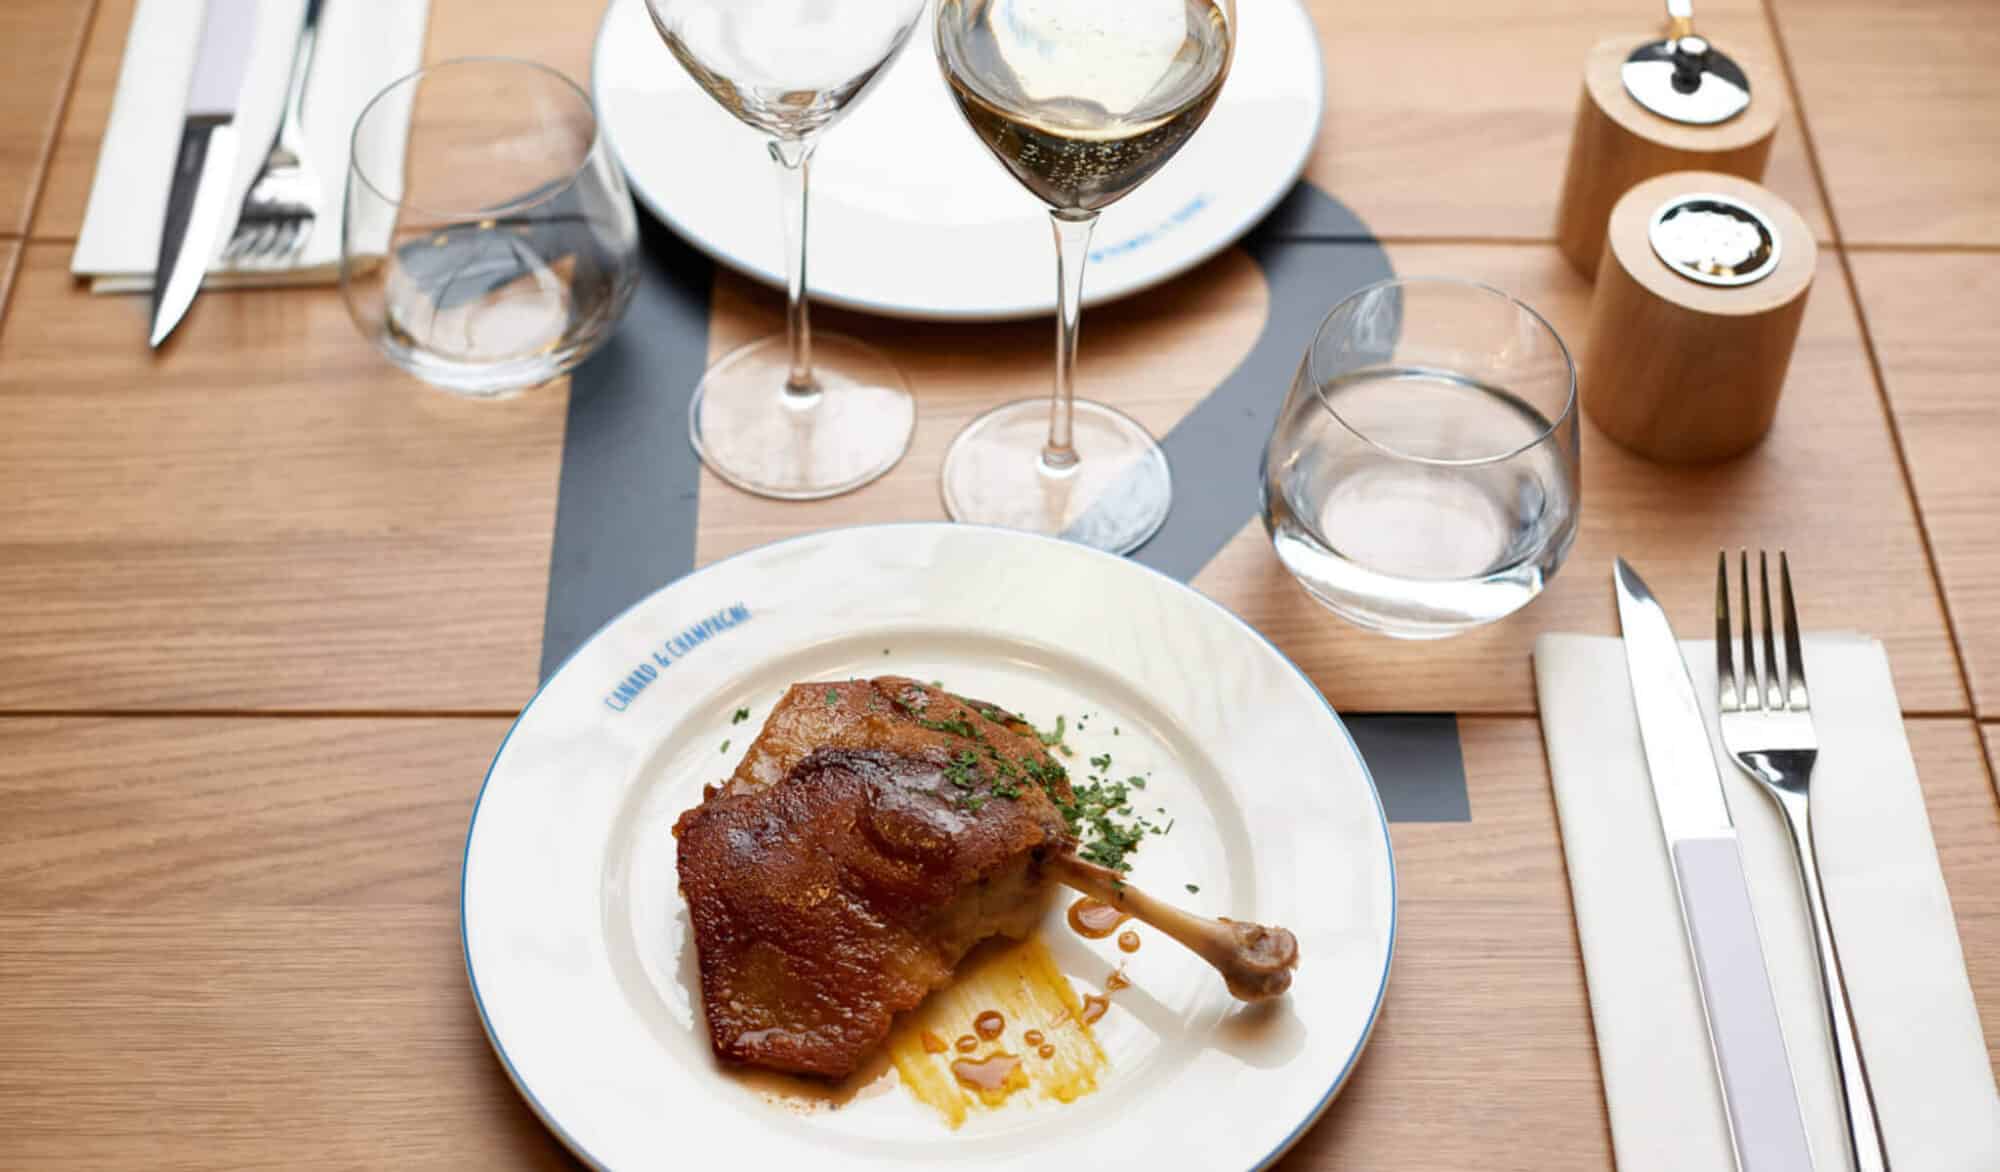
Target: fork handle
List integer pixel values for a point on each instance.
(302, 60)
(1864, 1131)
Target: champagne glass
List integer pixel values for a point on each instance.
(1081, 101)
(796, 416)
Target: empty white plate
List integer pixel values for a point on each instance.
(911, 217)
(576, 937)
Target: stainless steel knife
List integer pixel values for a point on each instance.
(1759, 1099)
(199, 208)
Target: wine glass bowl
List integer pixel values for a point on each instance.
(790, 68)
(1080, 101)
(794, 417)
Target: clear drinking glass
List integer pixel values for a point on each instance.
(511, 248)
(1081, 101)
(803, 415)
(1422, 478)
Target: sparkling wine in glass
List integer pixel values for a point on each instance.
(1081, 101)
(796, 416)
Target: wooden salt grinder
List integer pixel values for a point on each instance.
(1700, 291)
(1650, 107)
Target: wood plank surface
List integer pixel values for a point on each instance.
(1903, 104)
(1937, 336)
(1486, 1010)
(42, 39)
(1451, 119)
(1965, 823)
(264, 515)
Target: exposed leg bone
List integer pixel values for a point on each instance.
(1256, 961)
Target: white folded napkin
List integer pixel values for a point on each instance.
(1913, 1007)
(363, 46)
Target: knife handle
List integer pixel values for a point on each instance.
(1762, 1104)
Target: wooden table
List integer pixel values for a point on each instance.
(267, 606)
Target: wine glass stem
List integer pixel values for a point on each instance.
(794, 159)
(1072, 251)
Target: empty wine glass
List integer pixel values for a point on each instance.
(798, 416)
(1081, 101)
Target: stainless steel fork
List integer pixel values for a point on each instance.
(1767, 727)
(282, 207)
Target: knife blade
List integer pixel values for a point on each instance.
(199, 210)
(1759, 1101)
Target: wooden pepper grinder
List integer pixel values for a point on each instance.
(1699, 296)
(1672, 104)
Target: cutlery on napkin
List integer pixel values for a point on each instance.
(1913, 1006)
(364, 45)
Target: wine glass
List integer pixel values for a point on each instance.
(796, 417)
(1081, 101)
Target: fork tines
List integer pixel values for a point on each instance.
(1783, 683)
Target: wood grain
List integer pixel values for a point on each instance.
(42, 39)
(142, 815)
(1453, 119)
(1486, 1010)
(1824, 484)
(1938, 340)
(1965, 822)
(1903, 104)
(266, 515)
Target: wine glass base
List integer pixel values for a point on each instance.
(1113, 498)
(749, 430)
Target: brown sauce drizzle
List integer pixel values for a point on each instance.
(932, 1043)
(1032, 1038)
(988, 1025)
(1094, 1007)
(986, 1074)
(1094, 919)
(1116, 981)
(1048, 1050)
(1128, 941)
(968, 1044)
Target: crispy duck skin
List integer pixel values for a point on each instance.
(873, 833)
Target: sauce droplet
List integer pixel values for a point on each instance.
(986, 1075)
(1094, 1007)
(1128, 941)
(1094, 919)
(1032, 1037)
(932, 1043)
(1116, 981)
(968, 1044)
(988, 1025)
(1048, 1050)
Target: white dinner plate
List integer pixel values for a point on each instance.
(576, 938)
(911, 217)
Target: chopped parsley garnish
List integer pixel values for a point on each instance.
(1136, 782)
(1101, 762)
(742, 714)
(963, 771)
(1056, 737)
(1193, 889)
(957, 726)
(725, 746)
(832, 697)
(1107, 832)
